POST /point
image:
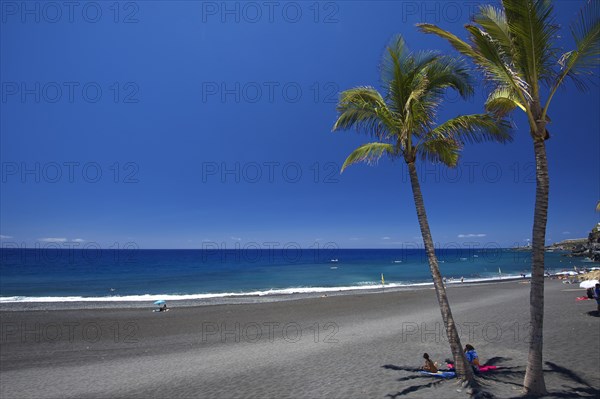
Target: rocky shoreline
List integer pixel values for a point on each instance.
(581, 247)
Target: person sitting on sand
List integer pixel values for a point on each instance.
(472, 356)
(429, 365)
(163, 308)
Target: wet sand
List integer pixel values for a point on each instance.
(348, 346)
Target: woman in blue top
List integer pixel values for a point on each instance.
(472, 356)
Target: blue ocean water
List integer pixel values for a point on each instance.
(72, 274)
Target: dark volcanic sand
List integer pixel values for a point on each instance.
(349, 346)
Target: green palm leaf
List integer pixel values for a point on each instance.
(487, 54)
(533, 30)
(502, 101)
(583, 61)
(369, 153)
(440, 150)
(493, 21)
(474, 128)
(363, 108)
(450, 72)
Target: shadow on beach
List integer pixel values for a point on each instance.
(489, 385)
(427, 380)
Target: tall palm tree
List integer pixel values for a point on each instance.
(514, 47)
(402, 121)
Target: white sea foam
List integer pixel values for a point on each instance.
(363, 285)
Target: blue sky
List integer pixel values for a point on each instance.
(182, 124)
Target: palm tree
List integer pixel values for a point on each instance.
(514, 47)
(403, 124)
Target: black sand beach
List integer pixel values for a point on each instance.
(348, 346)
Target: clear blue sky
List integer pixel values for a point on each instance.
(170, 124)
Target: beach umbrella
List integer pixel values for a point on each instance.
(588, 284)
(160, 302)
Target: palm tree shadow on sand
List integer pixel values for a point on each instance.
(427, 381)
(593, 313)
(430, 381)
(572, 384)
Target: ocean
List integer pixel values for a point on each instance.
(63, 275)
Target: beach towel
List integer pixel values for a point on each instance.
(440, 374)
(582, 298)
(482, 369)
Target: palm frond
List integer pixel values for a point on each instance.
(497, 67)
(493, 21)
(394, 79)
(392, 60)
(583, 61)
(502, 101)
(415, 83)
(365, 109)
(474, 128)
(370, 153)
(401, 72)
(533, 31)
(450, 72)
(460, 45)
(416, 96)
(487, 54)
(440, 150)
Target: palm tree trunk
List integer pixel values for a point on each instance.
(534, 378)
(463, 368)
